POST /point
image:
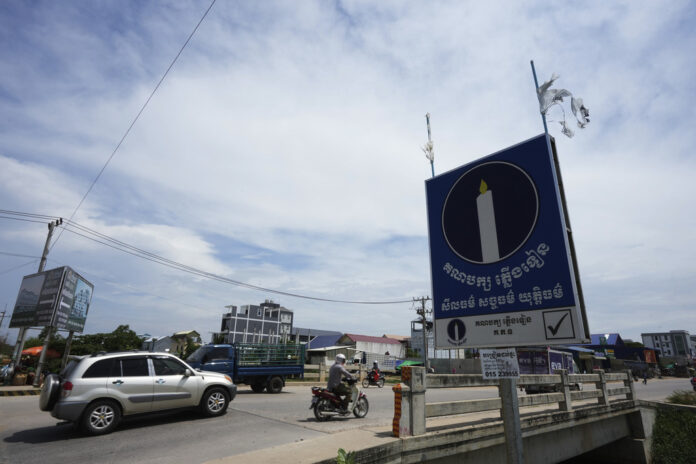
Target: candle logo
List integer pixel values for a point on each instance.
(456, 332)
(490, 212)
(486, 221)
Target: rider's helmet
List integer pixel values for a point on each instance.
(340, 358)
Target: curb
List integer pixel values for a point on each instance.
(32, 392)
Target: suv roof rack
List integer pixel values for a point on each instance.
(98, 353)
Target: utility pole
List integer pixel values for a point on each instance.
(21, 337)
(424, 321)
(49, 333)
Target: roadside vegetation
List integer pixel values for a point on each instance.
(674, 431)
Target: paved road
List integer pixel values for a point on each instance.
(254, 421)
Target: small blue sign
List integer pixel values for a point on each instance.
(498, 245)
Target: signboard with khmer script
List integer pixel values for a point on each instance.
(501, 263)
(59, 297)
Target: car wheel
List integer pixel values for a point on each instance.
(101, 417)
(49, 392)
(322, 410)
(365, 383)
(214, 402)
(258, 387)
(360, 409)
(275, 385)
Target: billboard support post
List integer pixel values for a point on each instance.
(68, 344)
(511, 420)
(22, 335)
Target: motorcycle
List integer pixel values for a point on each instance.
(327, 404)
(370, 380)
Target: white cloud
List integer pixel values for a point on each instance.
(284, 147)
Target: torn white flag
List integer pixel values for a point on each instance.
(549, 97)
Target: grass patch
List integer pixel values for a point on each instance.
(674, 432)
(683, 397)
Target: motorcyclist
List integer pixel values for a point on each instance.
(374, 373)
(336, 373)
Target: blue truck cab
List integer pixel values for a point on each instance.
(262, 366)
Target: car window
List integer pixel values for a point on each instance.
(134, 367)
(67, 370)
(100, 368)
(219, 354)
(168, 366)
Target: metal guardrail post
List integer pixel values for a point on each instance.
(566, 404)
(602, 386)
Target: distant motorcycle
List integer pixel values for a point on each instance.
(327, 404)
(693, 382)
(371, 380)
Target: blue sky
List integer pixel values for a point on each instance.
(283, 149)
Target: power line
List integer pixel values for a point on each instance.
(7, 253)
(137, 116)
(103, 239)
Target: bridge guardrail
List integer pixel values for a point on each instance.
(411, 410)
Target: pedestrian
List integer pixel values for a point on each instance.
(645, 377)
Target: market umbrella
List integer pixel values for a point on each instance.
(36, 351)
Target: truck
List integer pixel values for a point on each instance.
(261, 366)
(545, 361)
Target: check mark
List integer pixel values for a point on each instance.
(553, 330)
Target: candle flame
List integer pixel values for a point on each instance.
(484, 187)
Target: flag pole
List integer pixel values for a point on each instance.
(536, 84)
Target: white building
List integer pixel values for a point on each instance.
(675, 344)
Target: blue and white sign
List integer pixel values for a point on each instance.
(502, 271)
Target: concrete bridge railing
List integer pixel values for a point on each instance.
(411, 411)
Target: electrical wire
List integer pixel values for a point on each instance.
(103, 239)
(18, 255)
(137, 116)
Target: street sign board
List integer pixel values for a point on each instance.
(59, 297)
(502, 269)
(499, 364)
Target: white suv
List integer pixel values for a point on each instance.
(96, 391)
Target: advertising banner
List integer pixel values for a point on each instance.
(502, 270)
(59, 297)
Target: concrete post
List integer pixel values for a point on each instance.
(602, 386)
(510, 412)
(417, 405)
(401, 425)
(566, 404)
(629, 383)
(322, 372)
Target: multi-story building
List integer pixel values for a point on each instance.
(268, 322)
(673, 344)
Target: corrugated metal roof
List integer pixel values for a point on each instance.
(370, 339)
(323, 341)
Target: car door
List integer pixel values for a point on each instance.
(131, 383)
(172, 387)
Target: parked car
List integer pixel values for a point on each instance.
(96, 391)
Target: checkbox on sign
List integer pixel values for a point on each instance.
(558, 324)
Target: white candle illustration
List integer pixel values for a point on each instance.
(486, 219)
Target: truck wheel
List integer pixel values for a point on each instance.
(214, 402)
(258, 387)
(275, 385)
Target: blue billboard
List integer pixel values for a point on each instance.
(501, 266)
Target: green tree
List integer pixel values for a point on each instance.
(121, 339)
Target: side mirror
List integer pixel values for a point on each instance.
(188, 373)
